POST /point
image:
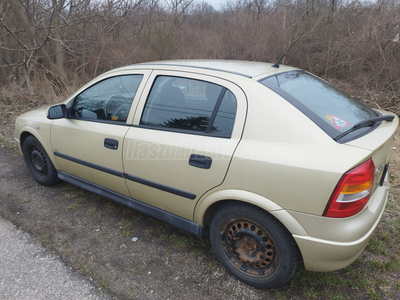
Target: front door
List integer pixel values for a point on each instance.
(95, 130)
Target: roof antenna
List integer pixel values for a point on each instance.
(276, 65)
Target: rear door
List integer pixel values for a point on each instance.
(185, 132)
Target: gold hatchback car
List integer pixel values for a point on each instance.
(275, 164)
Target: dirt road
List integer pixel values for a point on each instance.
(94, 236)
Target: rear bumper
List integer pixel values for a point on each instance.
(333, 244)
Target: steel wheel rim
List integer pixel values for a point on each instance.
(38, 161)
(249, 247)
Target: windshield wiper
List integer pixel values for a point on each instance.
(365, 123)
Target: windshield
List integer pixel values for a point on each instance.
(332, 110)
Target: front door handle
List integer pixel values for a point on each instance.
(200, 161)
(111, 144)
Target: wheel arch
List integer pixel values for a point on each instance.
(27, 131)
(23, 137)
(206, 208)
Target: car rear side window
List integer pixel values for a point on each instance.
(332, 110)
(107, 100)
(190, 105)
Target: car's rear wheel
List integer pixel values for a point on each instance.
(253, 245)
(38, 162)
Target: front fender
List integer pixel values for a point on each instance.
(274, 209)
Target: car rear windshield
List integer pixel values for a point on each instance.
(332, 110)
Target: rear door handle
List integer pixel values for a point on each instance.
(111, 144)
(200, 161)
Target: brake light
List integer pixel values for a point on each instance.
(352, 192)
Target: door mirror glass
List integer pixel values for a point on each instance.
(57, 112)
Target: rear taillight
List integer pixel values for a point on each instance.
(352, 192)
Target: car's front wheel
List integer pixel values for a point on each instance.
(253, 245)
(38, 162)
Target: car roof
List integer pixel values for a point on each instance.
(250, 69)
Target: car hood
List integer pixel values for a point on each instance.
(36, 113)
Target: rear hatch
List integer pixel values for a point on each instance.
(339, 115)
(380, 142)
(344, 119)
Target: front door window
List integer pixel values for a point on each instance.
(108, 100)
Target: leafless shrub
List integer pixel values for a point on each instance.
(74, 40)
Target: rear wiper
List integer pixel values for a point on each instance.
(365, 123)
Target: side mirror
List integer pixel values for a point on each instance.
(57, 112)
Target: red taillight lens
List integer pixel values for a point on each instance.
(352, 192)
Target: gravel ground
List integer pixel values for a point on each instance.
(28, 271)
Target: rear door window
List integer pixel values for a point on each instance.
(332, 110)
(190, 105)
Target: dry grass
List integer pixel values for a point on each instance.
(15, 100)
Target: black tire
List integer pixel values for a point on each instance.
(38, 162)
(253, 245)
